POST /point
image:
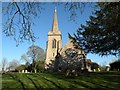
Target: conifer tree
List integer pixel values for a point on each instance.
(101, 34)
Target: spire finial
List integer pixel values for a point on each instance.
(55, 9)
(55, 22)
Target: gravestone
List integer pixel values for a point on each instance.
(94, 70)
(35, 71)
(22, 71)
(108, 69)
(26, 71)
(99, 69)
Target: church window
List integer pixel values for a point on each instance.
(53, 54)
(54, 44)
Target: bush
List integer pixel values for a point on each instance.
(20, 68)
(40, 66)
(115, 65)
(94, 65)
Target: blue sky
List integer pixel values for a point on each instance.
(42, 25)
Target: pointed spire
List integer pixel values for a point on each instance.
(55, 9)
(55, 21)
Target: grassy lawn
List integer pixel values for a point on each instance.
(103, 80)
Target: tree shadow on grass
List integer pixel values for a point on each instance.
(103, 83)
(41, 77)
(38, 88)
(38, 75)
(53, 83)
(16, 78)
(59, 77)
(97, 86)
(83, 83)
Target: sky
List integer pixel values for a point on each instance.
(43, 24)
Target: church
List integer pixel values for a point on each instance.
(63, 56)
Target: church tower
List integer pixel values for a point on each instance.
(54, 43)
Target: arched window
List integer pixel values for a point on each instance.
(53, 54)
(54, 43)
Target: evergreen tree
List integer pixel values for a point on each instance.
(94, 65)
(101, 34)
(115, 65)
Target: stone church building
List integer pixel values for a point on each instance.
(70, 52)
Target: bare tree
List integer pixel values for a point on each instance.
(4, 64)
(13, 64)
(35, 54)
(20, 17)
(25, 58)
(19, 20)
(74, 8)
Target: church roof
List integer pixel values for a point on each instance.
(71, 44)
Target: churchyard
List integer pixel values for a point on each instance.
(61, 66)
(87, 81)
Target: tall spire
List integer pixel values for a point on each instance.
(55, 21)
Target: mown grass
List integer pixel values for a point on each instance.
(25, 81)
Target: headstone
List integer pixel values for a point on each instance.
(82, 68)
(76, 74)
(22, 71)
(99, 69)
(89, 69)
(73, 71)
(94, 70)
(26, 71)
(35, 71)
(67, 72)
(108, 68)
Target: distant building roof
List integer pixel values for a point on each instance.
(88, 61)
